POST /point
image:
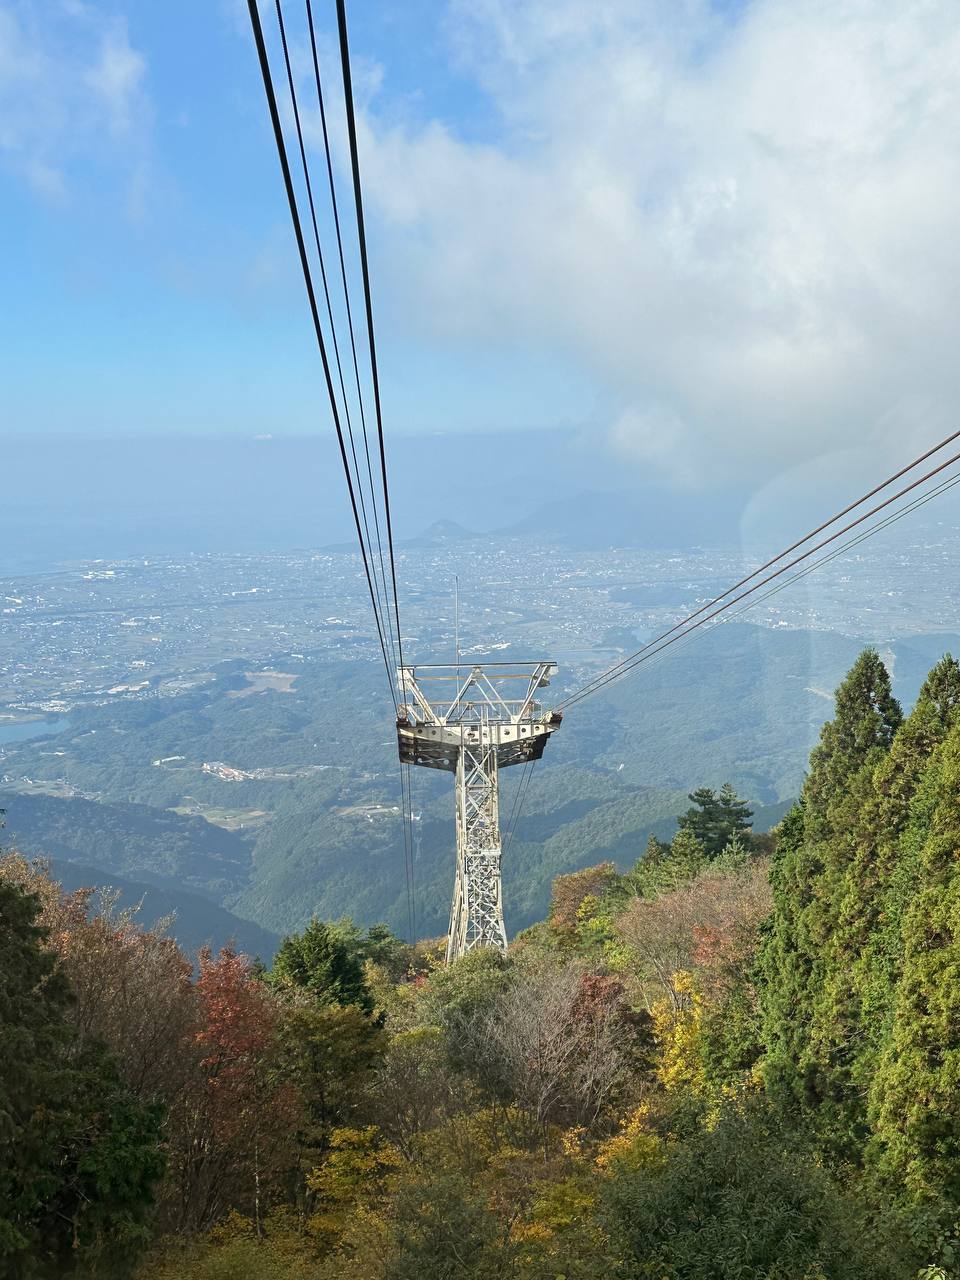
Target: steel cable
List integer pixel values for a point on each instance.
(367, 297)
(691, 633)
(334, 204)
(314, 311)
(699, 617)
(381, 597)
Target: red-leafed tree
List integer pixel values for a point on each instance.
(700, 925)
(131, 985)
(232, 1129)
(569, 892)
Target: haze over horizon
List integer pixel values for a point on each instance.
(690, 235)
(79, 498)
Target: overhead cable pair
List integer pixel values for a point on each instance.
(367, 495)
(716, 609)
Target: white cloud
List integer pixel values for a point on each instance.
(71, 85)
(116, 77)
(746, 230)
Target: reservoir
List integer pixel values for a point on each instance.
(27, 729)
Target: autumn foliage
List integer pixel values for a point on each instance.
(736, 1057)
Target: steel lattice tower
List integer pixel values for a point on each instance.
(474, 725)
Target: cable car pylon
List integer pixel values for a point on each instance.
(473, 720)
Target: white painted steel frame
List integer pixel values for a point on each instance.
(474, 732)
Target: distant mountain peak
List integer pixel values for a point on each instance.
(440, 531)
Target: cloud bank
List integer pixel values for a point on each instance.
(742, 224)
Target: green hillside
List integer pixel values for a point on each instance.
(743, 704)
(129, 839)
(732, 1057)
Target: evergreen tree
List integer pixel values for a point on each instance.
(739, 1199)
(666, 866)
(883, 875)
(79, 1155)
(321, 961)
(686, 858)
(655, 852)
(716, 818)
(915, 1096)
(811, 1023)
(867, 716)
(784, 965)
(35, 1081)
(377, 944)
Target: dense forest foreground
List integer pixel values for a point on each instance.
(739, 1059)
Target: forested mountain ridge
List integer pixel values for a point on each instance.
(314, 826)
(736, 1058)
(139, 841)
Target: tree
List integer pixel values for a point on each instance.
(110, 1162)
(460, 996)
(385, 949)
(378, 945)
(685, 860)
(742, 1200)
(568, 894)
(915, 1100)
(328, 1054)
(716, 818)
(556, 1044)
(810, 1016)
(79, 1155)
(861, 732)
(320, 960)
(131, 986)
(35, 1081)
(233, 1129)
(444, 1229)
(414, 1088)
(725, 967)
(697, 923)
(655, 852)
(885, 874)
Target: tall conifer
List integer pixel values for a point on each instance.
(915, 1096)
(883, 877)
(809, 1018)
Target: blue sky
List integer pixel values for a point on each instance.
(151, 282)
(719, 238)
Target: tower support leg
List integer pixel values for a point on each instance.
(476, 918)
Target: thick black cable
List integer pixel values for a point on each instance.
(649, 653)
(314, 311)
(513, 807)
(413, 853)
(343, 277)
(518, 803)
(333, 328)
(407, 851)
(522, 801)
(691, 635)
(688, 638)
(905, 510)
(627, 664)
(787, 550)
(368, 303)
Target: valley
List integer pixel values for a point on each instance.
(214, 724)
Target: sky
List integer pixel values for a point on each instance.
(718, 239)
